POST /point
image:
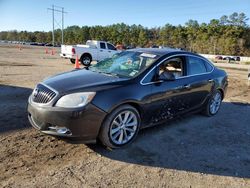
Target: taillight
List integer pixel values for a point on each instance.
(73, 51)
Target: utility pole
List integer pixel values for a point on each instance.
(53, 21)
(62, 23)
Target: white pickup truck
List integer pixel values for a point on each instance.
(92, 51)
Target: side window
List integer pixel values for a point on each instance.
(173, 67)
(196, 66)
(208, 66)
(102, 45)
(150, 77)
(111, 47)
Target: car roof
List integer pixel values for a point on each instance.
(156, 51)
(163, 52)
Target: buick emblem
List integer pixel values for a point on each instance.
(36, 91)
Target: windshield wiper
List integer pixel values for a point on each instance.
(118, 75)
(110, 73)
(93, 69)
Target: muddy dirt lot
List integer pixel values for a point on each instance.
(194, 151)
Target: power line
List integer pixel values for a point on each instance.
(53, 21)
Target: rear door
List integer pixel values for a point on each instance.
(200, 81)
(111, 50)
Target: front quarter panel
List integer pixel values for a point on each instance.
(136, 93)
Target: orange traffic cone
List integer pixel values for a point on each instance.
(77, 64)
(46, 50)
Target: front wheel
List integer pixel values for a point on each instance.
(214, 103)
(120, 127)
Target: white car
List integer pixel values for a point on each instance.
(92, 51)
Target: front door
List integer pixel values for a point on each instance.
(170, 97)
(111, 50)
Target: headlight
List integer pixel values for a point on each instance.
(75, 100)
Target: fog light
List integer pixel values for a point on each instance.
(60, 130)
(63, 130)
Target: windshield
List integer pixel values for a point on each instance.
(125, 64)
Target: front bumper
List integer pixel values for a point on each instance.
(80, 123)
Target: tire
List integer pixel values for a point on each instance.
(73, 61)
(110, 124)
(86, 59)
(213, 105)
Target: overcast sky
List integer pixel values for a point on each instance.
(33, 15)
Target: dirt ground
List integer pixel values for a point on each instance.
(194, 151)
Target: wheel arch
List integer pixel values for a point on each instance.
(222, 92)
(134, 104)
(86, 54)
(131, 103)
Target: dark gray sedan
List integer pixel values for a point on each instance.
(114, 99)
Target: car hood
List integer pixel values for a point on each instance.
(82, 80)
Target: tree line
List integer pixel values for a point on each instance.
(227, 35)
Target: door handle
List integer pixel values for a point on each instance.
(101, 50)
(186, 86)
(210, 80)
(109, 51)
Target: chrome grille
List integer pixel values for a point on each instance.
(42, 94)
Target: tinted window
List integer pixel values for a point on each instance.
(208, 66)
(111, 47)
(149, 78)
(196, 66)
(102, 45)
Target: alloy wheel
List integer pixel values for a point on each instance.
(215, 103)
(123, 127)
